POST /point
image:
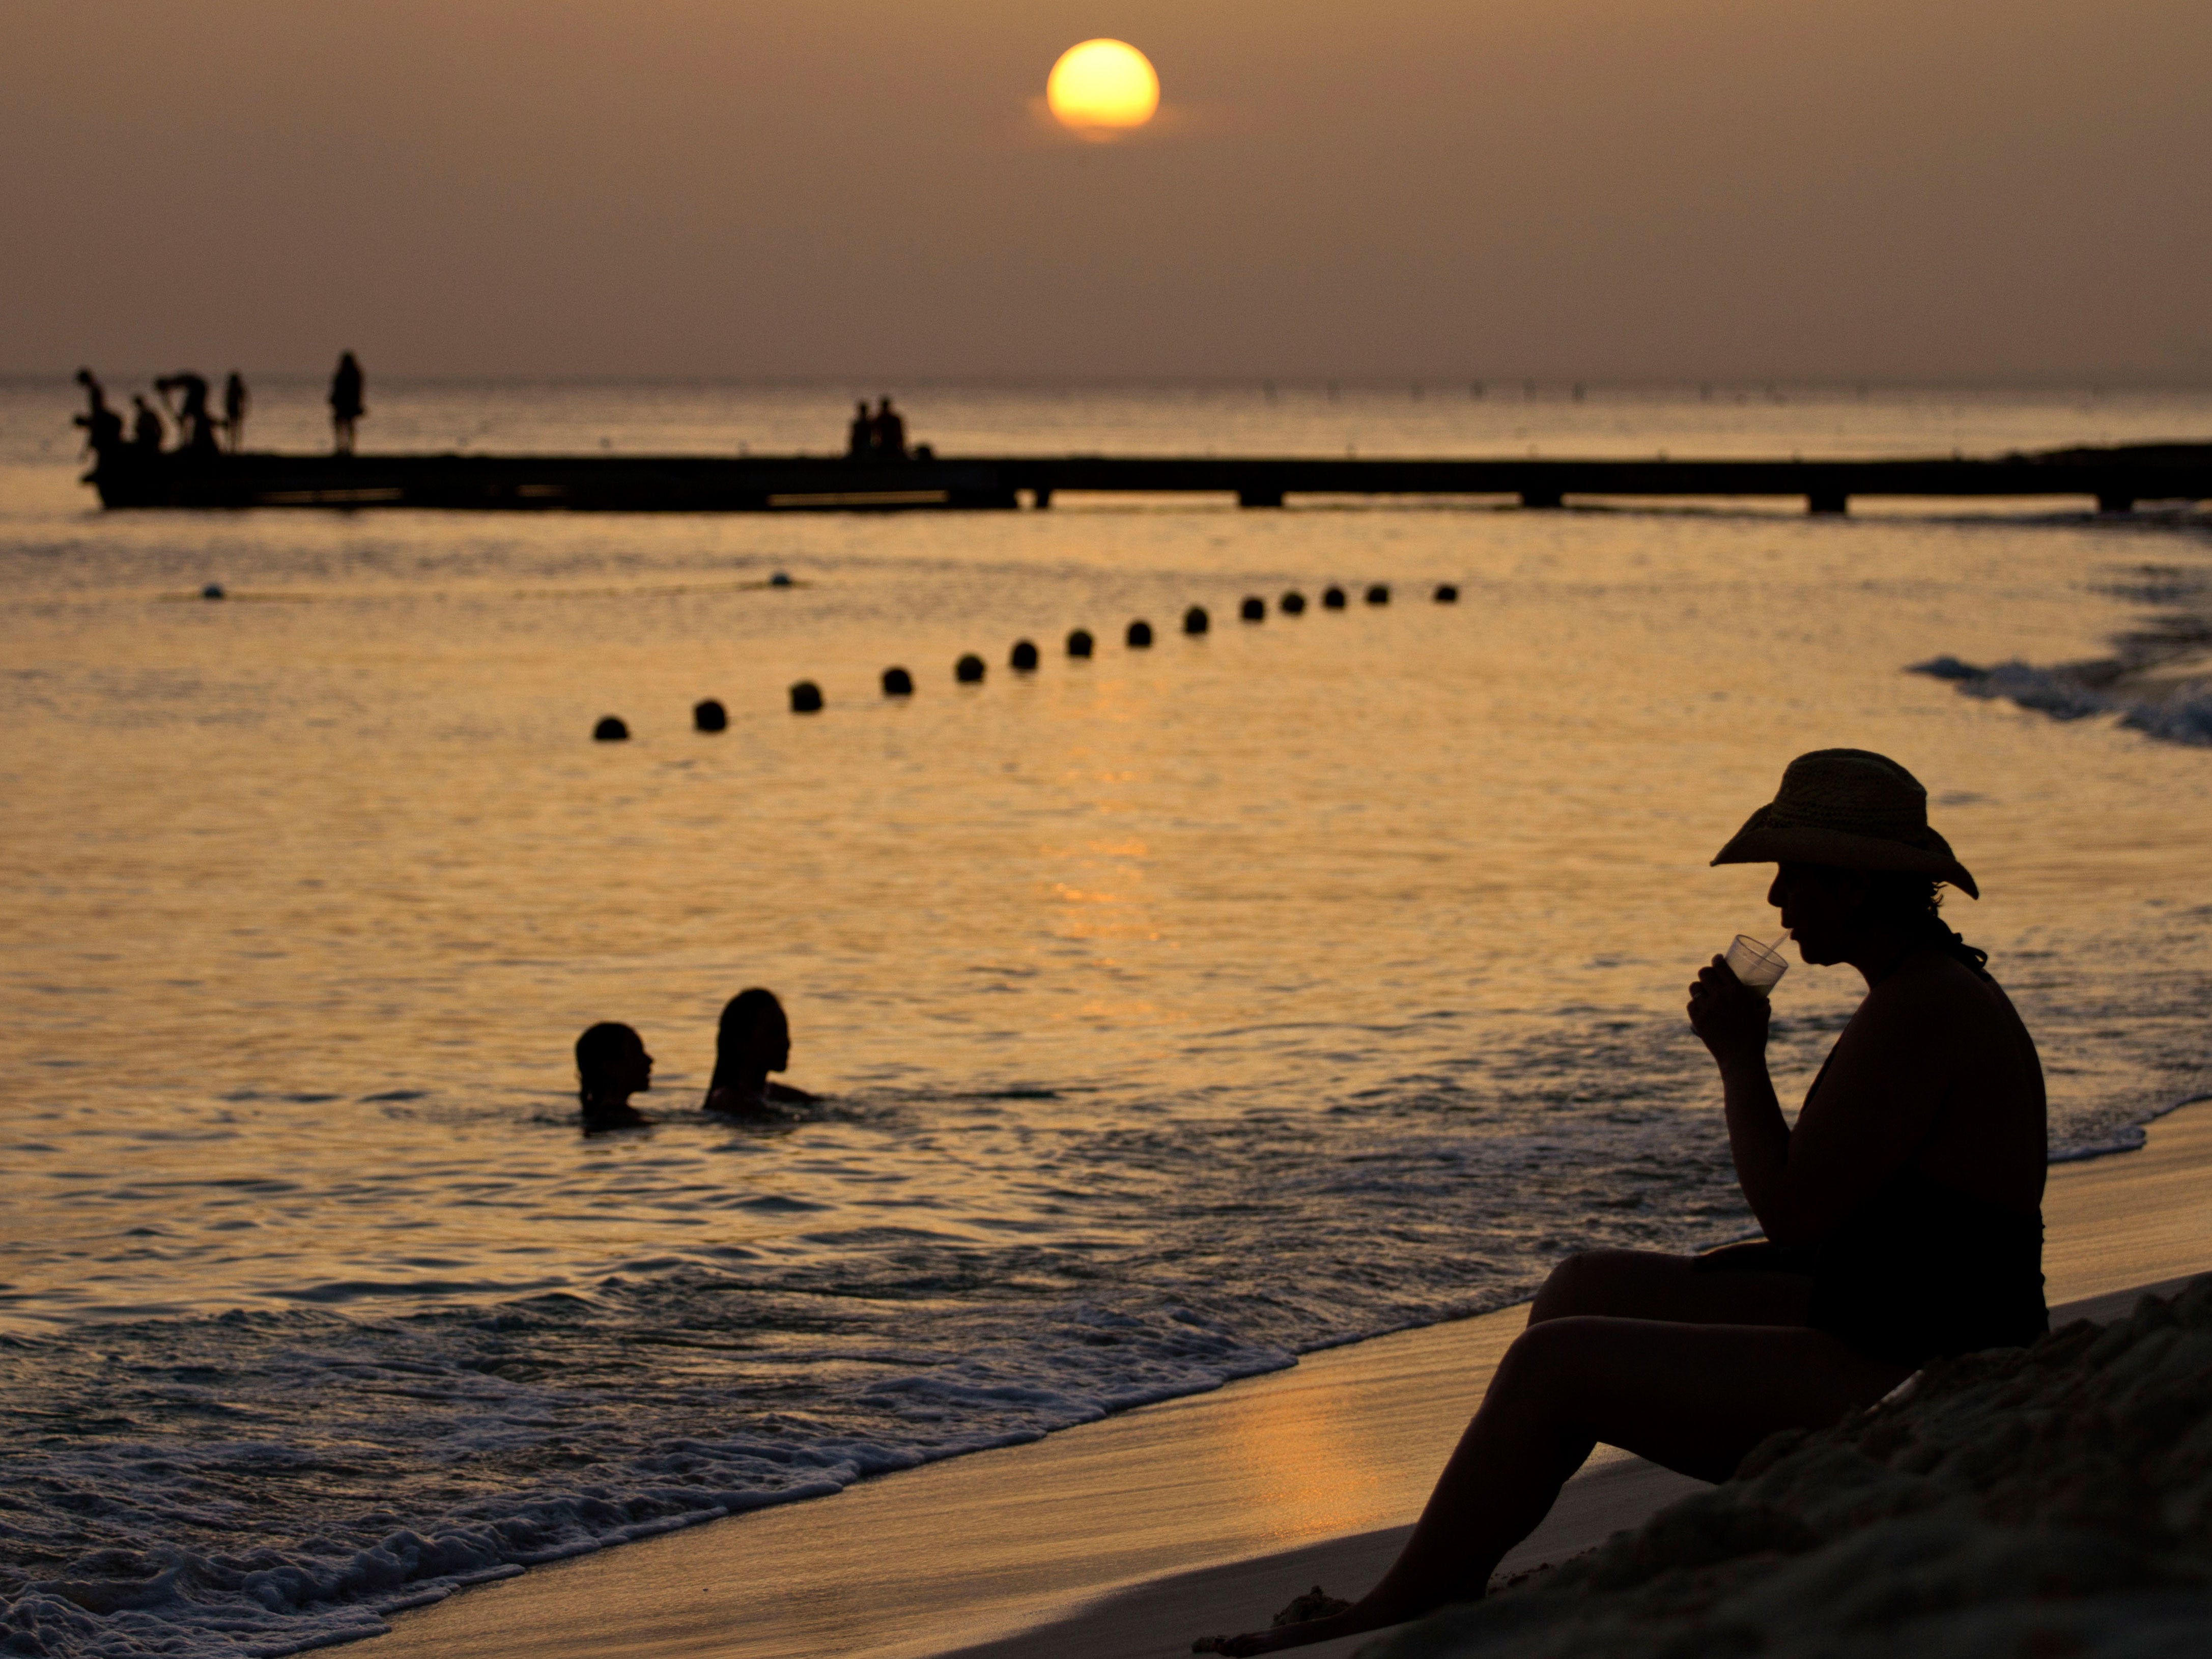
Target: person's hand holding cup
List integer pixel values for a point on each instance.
(1728, 1003)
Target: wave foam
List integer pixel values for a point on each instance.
(2184, 717)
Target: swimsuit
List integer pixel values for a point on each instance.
(1916, 1271)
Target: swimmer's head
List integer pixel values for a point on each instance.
(753, 1036)
(612, 1064)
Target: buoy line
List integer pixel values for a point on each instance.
(807, 698)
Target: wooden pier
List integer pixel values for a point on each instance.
(2115, 479)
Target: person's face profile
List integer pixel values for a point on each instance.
(768, 1042)
(634, 1070)
(1820, 908)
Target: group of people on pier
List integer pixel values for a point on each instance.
(876, 435)
(184, 400)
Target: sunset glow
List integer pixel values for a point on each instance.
(1103, 88)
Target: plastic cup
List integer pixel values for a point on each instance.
(1757, 965)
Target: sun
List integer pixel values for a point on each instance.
(1103, 88)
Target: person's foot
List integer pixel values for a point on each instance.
(1305, 1632)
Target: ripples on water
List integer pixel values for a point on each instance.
(1177, 1012)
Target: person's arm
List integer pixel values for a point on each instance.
(1732, 1023)
(1883, 1084)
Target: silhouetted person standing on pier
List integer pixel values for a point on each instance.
(146, 429)
(103, 426)
(194, 425)
(860, 436)
(235, 398)
(346, 406)
(890, 432)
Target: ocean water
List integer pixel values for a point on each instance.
(1174, 1012)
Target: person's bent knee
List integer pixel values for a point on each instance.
(1546, 1355)
(1589, 1281)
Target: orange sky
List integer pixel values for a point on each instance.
(1913, 189)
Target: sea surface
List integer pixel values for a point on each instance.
(1174, 1012)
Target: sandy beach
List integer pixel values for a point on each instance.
(1131, 1536)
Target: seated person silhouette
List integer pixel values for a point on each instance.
(1902, 1211)
(611, 1066)
(752, 1040)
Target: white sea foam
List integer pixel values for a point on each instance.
(2184, 718)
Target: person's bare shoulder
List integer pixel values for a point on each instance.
(1931, 985)
(1936, 1009)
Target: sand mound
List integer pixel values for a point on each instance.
(2044, 1502)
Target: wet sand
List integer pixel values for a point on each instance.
(1126, 1538)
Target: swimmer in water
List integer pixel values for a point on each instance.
(753, 1039)
(611, 1066)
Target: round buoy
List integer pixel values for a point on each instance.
(1292, 604)
(897, 683)
(1139, 635)
(969, 671)
(610, 730)
(1333, 600)
(710, 716)
(1079, 642)
(1447, 594)
(1195, 621)
(807, 698)
(212, 591)
(1024, 659)
(781, 579)
(1379, 593)
(1253, 610)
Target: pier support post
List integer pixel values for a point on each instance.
(1040, 498)
(1542, 498)
(1259, 498)
(2116, 503)
(1827, 501)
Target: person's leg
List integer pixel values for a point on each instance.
(1643, 1285)
(1693, 1397)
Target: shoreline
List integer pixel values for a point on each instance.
(1238, 1497)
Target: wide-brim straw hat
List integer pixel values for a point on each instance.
(1850, 809)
